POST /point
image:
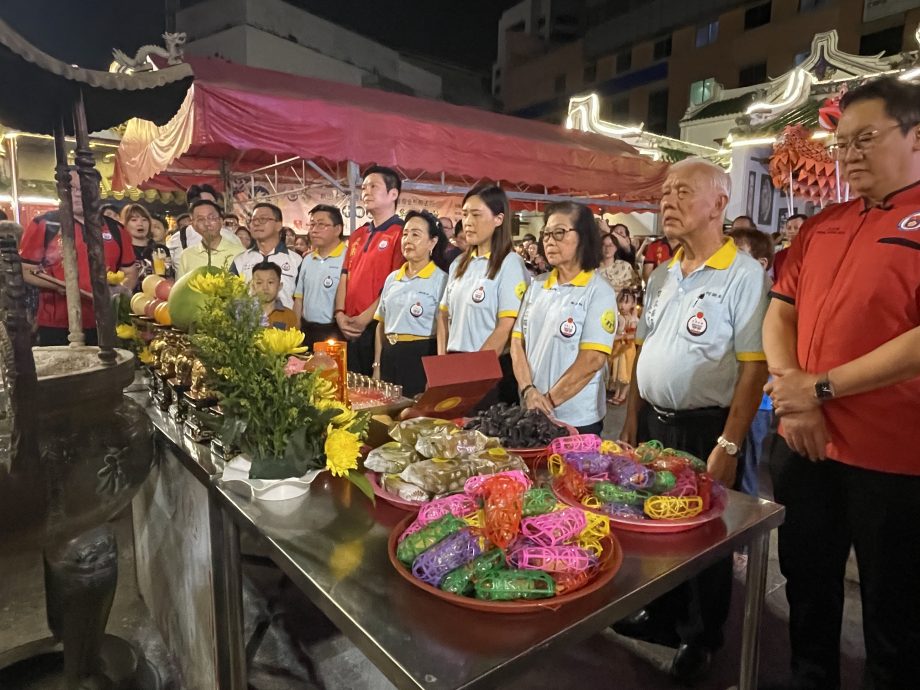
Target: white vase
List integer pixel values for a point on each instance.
(236, 478)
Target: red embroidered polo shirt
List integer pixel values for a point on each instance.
(373, 254)
(853, 275)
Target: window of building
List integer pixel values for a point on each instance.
(619, 109)
(658, 112)
(809, 5)
(662, 48)
(590, 73)
(701, 91)
(624, 60)
(753, 74)
(560, 83)
(887, 41)
(707, 33)
(758, 15)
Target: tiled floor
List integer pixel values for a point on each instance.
(302, 650)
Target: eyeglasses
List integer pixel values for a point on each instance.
(558, 234)
(261, 220)
(860, 143)
(206, 219)
(318, 226)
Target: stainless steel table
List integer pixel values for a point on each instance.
(333, 546)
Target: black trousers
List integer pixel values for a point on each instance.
(698, 607)
(48, 336)
(361, 351)
(829, 507)
(401, 363)
(316, 332)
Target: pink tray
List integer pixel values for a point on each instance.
(393, 499)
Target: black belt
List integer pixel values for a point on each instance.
(672, 416)
(313, 324)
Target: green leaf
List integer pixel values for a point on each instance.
(360, 481)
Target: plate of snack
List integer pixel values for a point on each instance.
(505, 546)
(523, 432)
(644, 489)
(430, 458)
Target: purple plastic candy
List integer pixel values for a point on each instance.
(593, 465)
(449, 554)
(630, 474)
(621, 510)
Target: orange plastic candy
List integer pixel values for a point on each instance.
(503, 508)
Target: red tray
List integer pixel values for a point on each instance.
(719, 500)
(392, 499)
(611, 560)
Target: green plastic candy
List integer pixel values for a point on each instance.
(413, 545)
(607, 492)
(507, 585)
(664, 481)
(461, 580)
(538, 501)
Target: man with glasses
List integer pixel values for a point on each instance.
(842, 336)
(214, 249)
(265, 226)
(183, 237)
(314, 296)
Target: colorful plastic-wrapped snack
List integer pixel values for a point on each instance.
(673, 507)
(461, 580)
(537, 501)
(405, 490)
(458, 505)
(494, 460)
(450, 553)
(648, 451)
(390, 458)
(447, 442)
(438, 476)
(564, 558)
(696, 464)
(414, 544)
(574, 482)
(474, 485)
(503, 507)
(664, 481)
(508, 585)
(566, 583)
(407, 432)
(630, 474)
(612, 493)
(554, 528)
(704, 489)
(592, 465)
(621, 510)
(685, 484)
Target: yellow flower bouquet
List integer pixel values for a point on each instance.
(284, 418)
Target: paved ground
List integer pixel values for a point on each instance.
(303, 650)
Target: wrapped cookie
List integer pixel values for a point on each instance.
(438, 476)
(390, 458)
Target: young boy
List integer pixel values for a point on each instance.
(265, 285)
(758, 245)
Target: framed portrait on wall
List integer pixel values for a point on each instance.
(765, 209)
(749, 198)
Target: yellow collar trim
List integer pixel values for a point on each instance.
(581, 280)
(337, 252)
(475, 254)
(426, 272)
(722, 259)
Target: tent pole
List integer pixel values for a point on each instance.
(225, 181)
(353, 175)
(13, 144)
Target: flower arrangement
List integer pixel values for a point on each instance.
(285, 418)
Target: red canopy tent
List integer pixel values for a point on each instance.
(246, 118)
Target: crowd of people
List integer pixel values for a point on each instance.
(707, 335)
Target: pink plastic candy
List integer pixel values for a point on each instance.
(554, 528)
(474, 484)
(575, 444)
(685, 485)
(553, 559)
(458, 505)
(411, 529)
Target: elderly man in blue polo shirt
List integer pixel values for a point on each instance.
(699, 377)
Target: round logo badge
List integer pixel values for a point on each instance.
(520, 289)
(910, 223)
(286, 266)
(609, 321)
(383, 244)
(327, 282)
(696, 324)
(416, 309)
(568, 328)
(106, 235)
(479, 294)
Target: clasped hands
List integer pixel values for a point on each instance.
(793, 394)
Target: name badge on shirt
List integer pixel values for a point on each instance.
(106, 235)
(568, 328)
(327, 283)
(383, 244)
(416, 309)
(479, 294)
(696, 324)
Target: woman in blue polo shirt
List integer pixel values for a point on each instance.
(484, 287)
(409, 304)
(568, 321)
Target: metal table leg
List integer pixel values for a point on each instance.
(228, 600)
(755, 589)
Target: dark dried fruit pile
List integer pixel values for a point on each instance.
(517, 428)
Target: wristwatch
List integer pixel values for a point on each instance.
(726, 445)
(824, 389)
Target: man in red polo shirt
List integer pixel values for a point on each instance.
(374, 252)
(842, 337)
(41, 251)
(656, 254)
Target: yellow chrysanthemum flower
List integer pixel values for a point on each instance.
(346, 415)
(115, 277)
(207, 283)
(276, 342)
(125, 331)
(144, 356)
(324, 389)
(342, 450)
